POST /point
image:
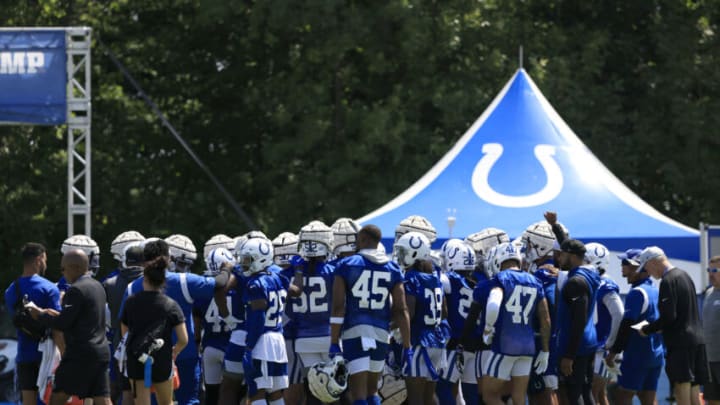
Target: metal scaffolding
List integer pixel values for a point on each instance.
(79, 119)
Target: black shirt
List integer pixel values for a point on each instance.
(679, 318)
(141, 312)
(82, 320)
(115, 288)
(576, 294)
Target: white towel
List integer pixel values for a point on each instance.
(50, 361)
(121, 355)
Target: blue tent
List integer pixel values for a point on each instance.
(520, 159)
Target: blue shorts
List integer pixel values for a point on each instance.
(634, 378)
(267, 375)
(233, 359)
(359, 360)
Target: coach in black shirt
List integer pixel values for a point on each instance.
(679, 322)
(83, 370)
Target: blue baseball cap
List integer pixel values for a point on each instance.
(630, 256)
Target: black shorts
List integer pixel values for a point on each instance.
(27, 375)
(687, 364)
(711, 390)
(86, 379)
(582, 374)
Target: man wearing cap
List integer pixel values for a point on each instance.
(680, 325)
(130, 269)
(643, 356)
(577, 340)
(711, 323)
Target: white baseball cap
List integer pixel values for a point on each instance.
(649, 253)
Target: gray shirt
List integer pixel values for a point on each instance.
(711, 323)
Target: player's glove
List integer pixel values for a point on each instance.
(488, 335)
(407, 360)
(541, 362)
(334, 351)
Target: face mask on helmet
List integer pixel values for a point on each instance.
(285, 247)
(327, 381)
(344, 236)
(316, 240)
(312, 248)
(538, 240)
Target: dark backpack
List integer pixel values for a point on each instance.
(22, 319)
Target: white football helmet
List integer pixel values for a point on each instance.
(490, 266)
(481, 242)
(256, 234)
(255, 255)
(285, 246)
(218, 241)
(458, 256)
(416, 223)
(344, 235)
(216, 259)
(182, 250)
(328, 380)
(87, 245)
(410, 247)
(538, 240)
(597, 255)
(505, 252)
(117, 246)
(315, 240)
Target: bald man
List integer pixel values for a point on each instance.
(83, 370)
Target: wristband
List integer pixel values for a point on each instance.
(337, 320)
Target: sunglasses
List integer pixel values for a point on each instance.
(712, 270)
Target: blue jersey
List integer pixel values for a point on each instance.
(310, 311)
(183, 288)
(588, 343)
(44, 294)
(521, 293)
(480, 296)
(289, 329)
(272, 288)
(62, 284)
(641, 304)
(604, 320)
(216, 331)
(112, 274)
(458, 297)
(425, 322)
(368, 284)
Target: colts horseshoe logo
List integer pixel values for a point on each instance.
(412, 245)
(264, 248)
(543, 153)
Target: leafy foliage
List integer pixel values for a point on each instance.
(321, 109)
